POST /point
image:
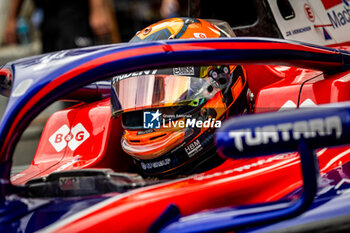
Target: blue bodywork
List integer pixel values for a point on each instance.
(32, 214)
(22, 214)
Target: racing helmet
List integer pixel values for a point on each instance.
(170, 115)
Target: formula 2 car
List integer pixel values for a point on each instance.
(118, 198)
(79, 179)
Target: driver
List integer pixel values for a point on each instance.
(170, 115)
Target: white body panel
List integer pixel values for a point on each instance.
(323, 22)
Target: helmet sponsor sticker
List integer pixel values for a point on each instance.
(145, 132)
(72, 138)
(189, 70)
(156, 164)
(193, 148)
(133, 74)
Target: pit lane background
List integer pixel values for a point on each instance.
(129, 18)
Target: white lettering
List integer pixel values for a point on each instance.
(253, 140)
(269, 133)
(237, 135)
(334, 124)
(300, 128)
(287, 131)
(285, 128)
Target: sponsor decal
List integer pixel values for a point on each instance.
(309, 12)
(156, 164)
(145, 132)
(72, 138)
(339, 17)
(133, 74)
(193, 148)
(287, 131)
(298, 31)
(189, 70)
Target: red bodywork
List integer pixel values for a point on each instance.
(235, 182)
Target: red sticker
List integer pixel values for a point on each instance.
(309, 13)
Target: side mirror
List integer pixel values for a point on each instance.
(279, 132)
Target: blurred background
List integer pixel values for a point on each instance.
(94, 22)
(31, 27)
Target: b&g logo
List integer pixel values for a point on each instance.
(72, 138)
(151, 120)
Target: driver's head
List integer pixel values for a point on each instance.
(170, 115)
(184, 28)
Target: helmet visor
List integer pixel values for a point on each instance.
(152, 91)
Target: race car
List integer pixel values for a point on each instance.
(80, 179)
